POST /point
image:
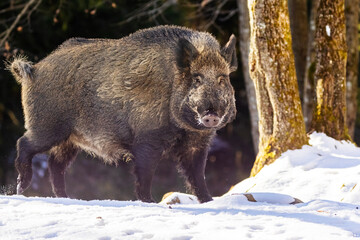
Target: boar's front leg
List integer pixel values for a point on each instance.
(193, 167)
(146, 157)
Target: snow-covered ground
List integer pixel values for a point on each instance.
(325, 176)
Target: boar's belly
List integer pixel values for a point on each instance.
(110, 149)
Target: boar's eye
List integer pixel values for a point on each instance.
(222, 79)
(197, 77)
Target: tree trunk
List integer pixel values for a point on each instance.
(244, 30)
(352, 20)
(299, 33)
(309, 82)
(330, 70)
(272, 68)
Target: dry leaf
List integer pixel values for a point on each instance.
(7, 46)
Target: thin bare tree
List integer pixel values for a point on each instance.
(352, 41)
(299, 33)
(244, 36)
(309, 82)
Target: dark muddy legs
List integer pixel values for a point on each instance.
(146, 160)
(26, 150)
(193, 169)
(28, 146)
(59, 160)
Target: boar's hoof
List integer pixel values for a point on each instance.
(210, 120)
(147, 200)
(205, 199)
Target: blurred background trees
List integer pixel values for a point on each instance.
(272, 67)
(36, 27)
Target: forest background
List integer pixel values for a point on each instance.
(45, 24)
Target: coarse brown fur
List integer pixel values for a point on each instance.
(159, 92)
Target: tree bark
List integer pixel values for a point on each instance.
(330, 44)
(272, 67)
(299, 33)
(352, 20)
(309, 82)
(244, 30)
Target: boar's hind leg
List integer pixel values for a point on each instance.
(194, 170)
(146, 160)
(60, 158)
(27, 148)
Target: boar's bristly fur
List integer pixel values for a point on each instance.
(158, 93)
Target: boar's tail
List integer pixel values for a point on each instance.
(21, 69)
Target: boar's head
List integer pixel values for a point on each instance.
(203, 97)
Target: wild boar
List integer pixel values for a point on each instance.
(158, 93)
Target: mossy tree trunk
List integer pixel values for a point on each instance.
(272, 68)
(309, 82)
(244, 30)
(352, 21)
(299, 33)
(330, 70)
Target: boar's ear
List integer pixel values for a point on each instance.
(229, 53)
(187, 52)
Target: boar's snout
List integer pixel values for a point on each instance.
(210, 119)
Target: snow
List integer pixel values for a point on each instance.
(325, 176)
(328, 169)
